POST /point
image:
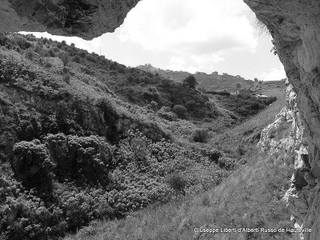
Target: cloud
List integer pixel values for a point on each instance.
(180, 25)
(273, 74)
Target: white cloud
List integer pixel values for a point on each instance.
(273, 74)
(186, 25)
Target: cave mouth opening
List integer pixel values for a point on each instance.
(191, 36)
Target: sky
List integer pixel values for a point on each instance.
(190, 35)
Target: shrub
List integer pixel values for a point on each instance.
(66, 78)
(205, 200)
(65, 70)
(24, 216)
(200, 135)
(87, 70)
(76, 59)
(48, 65)
(22, 43)
(190, 82)
(84, 158)
(3, 39)
(167, 114)
(51, 53)
(177, 183)
(214, 155)
(154, 105)
(82, 206)
(31, 165)
(64, 58)
(226, 163)
(180, 110)
(29, 54)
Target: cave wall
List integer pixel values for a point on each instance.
(82, 18)
(295, 28)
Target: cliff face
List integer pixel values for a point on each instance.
(294, 26)
(83, 18)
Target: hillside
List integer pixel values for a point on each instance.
(213, 81)
(250, 197)
(83, 138)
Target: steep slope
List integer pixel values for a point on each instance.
(294, 26)
(86, 19)
(77, 146)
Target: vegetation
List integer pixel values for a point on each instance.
(83, 138)
(200, 135)
(190, 82)
(180, 110)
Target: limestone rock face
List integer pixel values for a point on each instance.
(82, 18)
(295, 28)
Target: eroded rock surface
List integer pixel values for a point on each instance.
(83, 18)
(295, 28)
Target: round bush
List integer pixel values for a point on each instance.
(200, 135)
(180, 110)
(31, 164)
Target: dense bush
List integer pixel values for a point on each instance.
(30, 54)
(25, 216)
(66, 78)
(177, 183)
(245, 104)
(31, 165)
(11, 72)
(190, 82)
(88, 159)
(91, 180)
(180, 110)
(165, 112)
(200, 135)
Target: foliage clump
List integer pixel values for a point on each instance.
(180, 110)
(200, 135)
(32, 166)
(190, 82)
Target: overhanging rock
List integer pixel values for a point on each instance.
(83, 18)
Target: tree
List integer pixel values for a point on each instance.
(238, 86)
(190, 82)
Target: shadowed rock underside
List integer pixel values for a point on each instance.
(82, 18)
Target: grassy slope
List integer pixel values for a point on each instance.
(250, 197)
(108, 77)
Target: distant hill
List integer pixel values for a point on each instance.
(213, 81)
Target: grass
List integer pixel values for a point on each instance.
(251, 197)
(96, 78)
(247, 133)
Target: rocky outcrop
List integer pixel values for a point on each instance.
(294, 26)
(83, 18)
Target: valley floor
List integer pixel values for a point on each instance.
(249, 198)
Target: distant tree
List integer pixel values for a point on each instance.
(190, 82)
(238, 87)
(256, 80)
